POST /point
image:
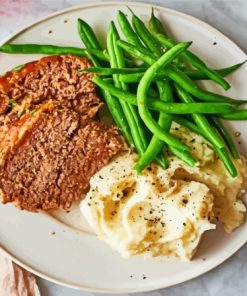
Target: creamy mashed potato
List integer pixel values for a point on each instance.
(164, 212)
(228, 206)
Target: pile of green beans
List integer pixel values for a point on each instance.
(148, 81)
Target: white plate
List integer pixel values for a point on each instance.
(77, 258)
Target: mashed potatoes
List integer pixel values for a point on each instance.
(164, 212)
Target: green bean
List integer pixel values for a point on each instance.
(201, 120)
(141, 53)
(18, 68)
(140, 132)
(50, 50)
(187, 84)
(117, 60)
(210, 134)
(118, 116)
(171, 108)
(135, 76)
(195, 61)
(152, 93)
(178, 76)
(131, 77)
(165, 122)
(236, 115)
(226, 136)
(142, 96)
(155, 26)
(111, 71)
(134, 39)
(87, 35)
(156, 145)
(112, 103)
(184, 155)
(188, 124)
(199, 75)
(223, 155)
(146, 36)
(127, 30)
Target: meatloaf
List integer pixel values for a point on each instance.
(50, 141)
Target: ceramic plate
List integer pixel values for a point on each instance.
(61, 247)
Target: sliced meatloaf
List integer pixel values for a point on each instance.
(50, 167)
(50, 142)
(55, 78)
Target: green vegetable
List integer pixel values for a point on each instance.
(127, 30)
(142, 96)
(226, 136)
(112, 103)
(210, 134)
(32, 112)
(117, 60)
(155, 25)
(13, 104)
(199, 75)
(134, 76)
(172, 108)
(50, 50)
(18, 68)
(111, 71)
(223, 155)
(156, 145)
(87, 35)
(146, 36)
(236, 115)
(118, 116)
(188, 124)
(195, 61)
(184, 155)
(178, 76)
(201, 120)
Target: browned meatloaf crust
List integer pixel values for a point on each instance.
(47, 157)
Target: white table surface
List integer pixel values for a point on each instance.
(230, 17)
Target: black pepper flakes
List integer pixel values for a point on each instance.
(50, 31)
(215, 43)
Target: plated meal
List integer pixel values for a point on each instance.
(152, 172)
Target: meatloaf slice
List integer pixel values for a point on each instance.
(55, 78)
(51, 164)
(51, 78)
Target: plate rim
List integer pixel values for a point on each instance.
(96, 4)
